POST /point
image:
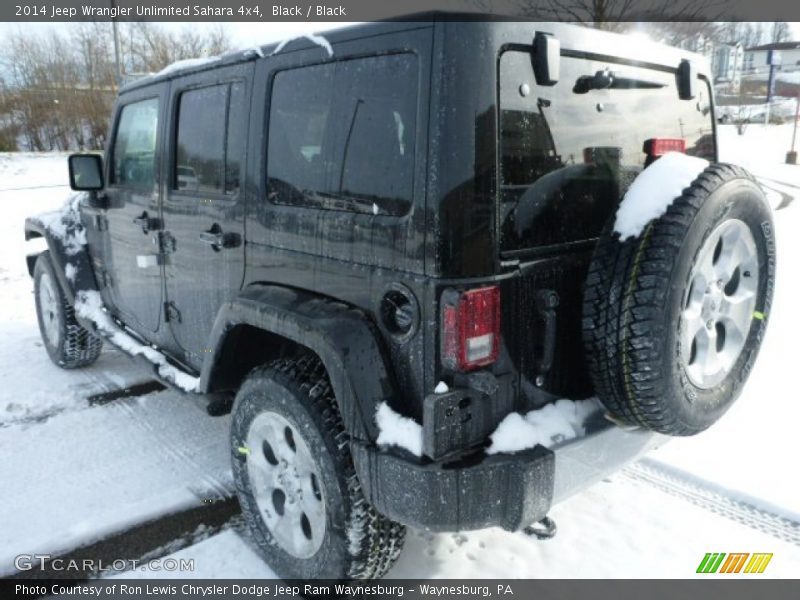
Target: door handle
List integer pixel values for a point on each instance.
(147, 223)
(218, 239)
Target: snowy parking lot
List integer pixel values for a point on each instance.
(81, 465)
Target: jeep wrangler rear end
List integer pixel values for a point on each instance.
(386, 246)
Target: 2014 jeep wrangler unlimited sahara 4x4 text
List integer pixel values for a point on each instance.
(385, 246)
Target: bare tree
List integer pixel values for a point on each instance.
(779, 32)
(148, 48)
(617, 15)
(60, 87)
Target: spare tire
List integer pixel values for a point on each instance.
(674, 318)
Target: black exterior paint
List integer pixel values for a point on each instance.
(316, 278)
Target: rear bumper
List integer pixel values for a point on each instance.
(505, 490)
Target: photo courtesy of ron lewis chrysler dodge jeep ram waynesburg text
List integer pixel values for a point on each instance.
(444, 274)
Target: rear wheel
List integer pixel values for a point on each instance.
(295, 479)
(674, 318)
(67, 342)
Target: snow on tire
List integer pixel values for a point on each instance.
(67, 342)
(673, 318)
(296, 482)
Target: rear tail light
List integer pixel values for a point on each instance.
(470, 328)
(656, 147)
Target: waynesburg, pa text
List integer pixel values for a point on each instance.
(274, 590)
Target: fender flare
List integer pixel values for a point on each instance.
(342, 337)
(61, 255)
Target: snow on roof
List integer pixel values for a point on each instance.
(311, 37)
(776, 46)
(187, 63)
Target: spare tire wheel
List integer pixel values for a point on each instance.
(674, 318)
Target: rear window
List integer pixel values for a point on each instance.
(568, 154)
(342, 135)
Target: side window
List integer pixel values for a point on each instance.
(134, 152)
(342, 135)
(200, 142)
(209, 139)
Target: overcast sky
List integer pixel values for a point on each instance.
(241, 34)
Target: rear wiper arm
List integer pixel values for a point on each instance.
(605, 80)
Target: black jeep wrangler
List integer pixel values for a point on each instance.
(385, 244)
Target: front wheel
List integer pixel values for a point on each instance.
(295, 478)
(67, 342)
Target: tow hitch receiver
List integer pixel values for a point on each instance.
(542, 530)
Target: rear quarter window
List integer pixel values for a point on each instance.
(568, 154)
(342, 135)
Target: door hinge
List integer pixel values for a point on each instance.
(165, 242)
(100, 223)
(171, 313)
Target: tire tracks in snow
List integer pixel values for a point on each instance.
(211, 485)
(775, 185)
(144, 542)
(714, 498)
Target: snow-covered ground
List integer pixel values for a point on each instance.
(74, 473)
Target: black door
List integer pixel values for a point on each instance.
(134, 283)
(204, 202)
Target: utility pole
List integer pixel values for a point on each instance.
(773, 60)
(791, 155)
(116, 45)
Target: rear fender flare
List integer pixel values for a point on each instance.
(339, 334)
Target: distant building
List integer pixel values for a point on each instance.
(755, 58)
(727, 63)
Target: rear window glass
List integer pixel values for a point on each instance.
(342, 135)
(568, 153)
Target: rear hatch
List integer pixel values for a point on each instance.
(568, 152)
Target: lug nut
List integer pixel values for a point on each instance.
(710, 324)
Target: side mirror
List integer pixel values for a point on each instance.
(85, 172)
(546, 58)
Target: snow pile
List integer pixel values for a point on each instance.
(397, 430)
(552, 424)
(70, 271)
(89, 305)
(790, 77)
(356, 528)
(654, 190)
(187, 63)
(316, 39)
(65, 225)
